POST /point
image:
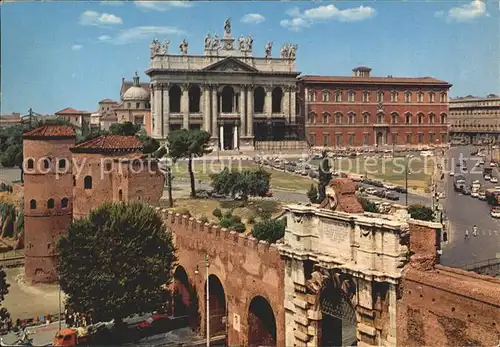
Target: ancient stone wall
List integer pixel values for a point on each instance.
(246, 267)
(443, 306)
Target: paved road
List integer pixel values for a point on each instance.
(42, 335)
(463, 212)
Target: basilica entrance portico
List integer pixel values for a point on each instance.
(227, 90)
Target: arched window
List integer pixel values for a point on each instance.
(443, 118)
(311, 95)
(311, 118)
(432, 97)
(31, 163)
(326, 96)
(338, 118)
(87, 182)
(352, 118)
(394, 118)
(50, 203)
(394, 96)
(326, 118)
(338, 96)
(408, 118)
(64, 203)
(380, 96)
(62, 163)
(420, 97)
(443, 97)
(366, 118)
(174, 99)
(420, 118)
(366, 96)
(120, 195)
(408, 96)
(432, 118)
(46, 163)
(380, 118)
(277, 100)
(32, 204)
(350, 96)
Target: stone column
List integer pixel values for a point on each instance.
(207, 126)
(215, 114)
(185, 106)
(155, 126)
(235, 137)
(293, 103)
(165, 118)
(269, 101)
(221, 137)
(249, 124)
(285, 104)
(243, 115)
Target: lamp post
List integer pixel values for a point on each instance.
(207, 265)
(406, 182)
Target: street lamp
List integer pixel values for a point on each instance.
(197, 271)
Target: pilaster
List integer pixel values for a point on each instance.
(286, 103)
(185, 106)
(268, 105)
(215, 115)
(250, 113)
(207, 126)
(293, 103)
(243, 115)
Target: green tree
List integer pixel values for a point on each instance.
(367, 205)
(115, 261)
(13, 157)
(325, 176)
(312, 194)
(270, 230)
(421, 212)
(125, 129)
(150, 145)
(243, 183)
(188, 144)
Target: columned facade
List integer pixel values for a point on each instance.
(236, 97)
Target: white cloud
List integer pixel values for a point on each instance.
(112, 3)
(96, 18)
(467, 12)
(255, 18)
(161, 6)
(76, 47)
(142, 33)
(325, 12)
(104, 38)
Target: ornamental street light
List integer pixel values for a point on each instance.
(197, 271)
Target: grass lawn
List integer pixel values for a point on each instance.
(249, 212)
(279, 179)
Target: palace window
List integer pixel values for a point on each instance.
(338, 118)
(338, 140)
(46, 163)
(352, 118)
(32, 204)
(408, 118)
(420, 118)
(432, 118)
(380, 96)
(350, 96)
(326, 118)
(443, 118)
(137, 105)
(31, 163)
(312, 139)
(366, 96)
(420, 138)
(394, 118)
(129, 105)
(311, 118)
(420, 97)
(350, 139)
(311, 96)
(62, 163)
(394, 138)
(366, 118)
(432, 97)
(380, 118)
(64, 203)
(443, 97)
(366, 139)
(408, 96)
(326, 140)
(338, 96)
(326, 96)
(408, 139)
(394, 96)
(50, 203)
(87, 182)
(432, 138)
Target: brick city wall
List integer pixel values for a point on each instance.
(441, 306)
(245, 266)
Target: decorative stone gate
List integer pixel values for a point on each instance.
(341, 265)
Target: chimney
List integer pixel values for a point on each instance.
(361, 71)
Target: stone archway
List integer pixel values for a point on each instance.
(334, 293)
(218, 306)
(261, 323)
(228, 100)
(185, 298)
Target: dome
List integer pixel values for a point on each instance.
(136, 93)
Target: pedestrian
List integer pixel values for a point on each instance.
(474, 230)
(466, 234)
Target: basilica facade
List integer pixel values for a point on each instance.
(236, 97)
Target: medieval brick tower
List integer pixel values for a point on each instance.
(48, 188)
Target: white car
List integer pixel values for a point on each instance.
(494, 180)
(487, 177)
(495, 212)
(493, 164)
(371, 190)
(474, 194)
(452, 173)
(389, 186)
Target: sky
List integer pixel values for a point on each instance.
(58, 54)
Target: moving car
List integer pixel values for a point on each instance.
(482, 195)
(392, 196)
(495, 212)
(494, 179)
(452, 173)
(487, 177)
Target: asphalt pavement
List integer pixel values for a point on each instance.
(464, 212)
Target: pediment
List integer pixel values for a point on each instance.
(230, 64)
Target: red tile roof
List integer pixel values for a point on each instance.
(371, 80)
(115, 143)
(69, 110)
(51, 130)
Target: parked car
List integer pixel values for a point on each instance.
(482, 196)
(392, 196)
(371, 190)
(452, 173)
(487, 177)
(380, 193)
(466, 191)
(400, 189)
(495, 212)
(493, 179)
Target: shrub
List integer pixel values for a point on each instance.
(239, 227)
(217, 213)
(312, 194)
(183, 211)
(421, 212)
(235, 219)
(203, 219)
(367, 205)
(269, 230)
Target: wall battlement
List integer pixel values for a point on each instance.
(183, 224)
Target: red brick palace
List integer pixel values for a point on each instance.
(362, 110)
